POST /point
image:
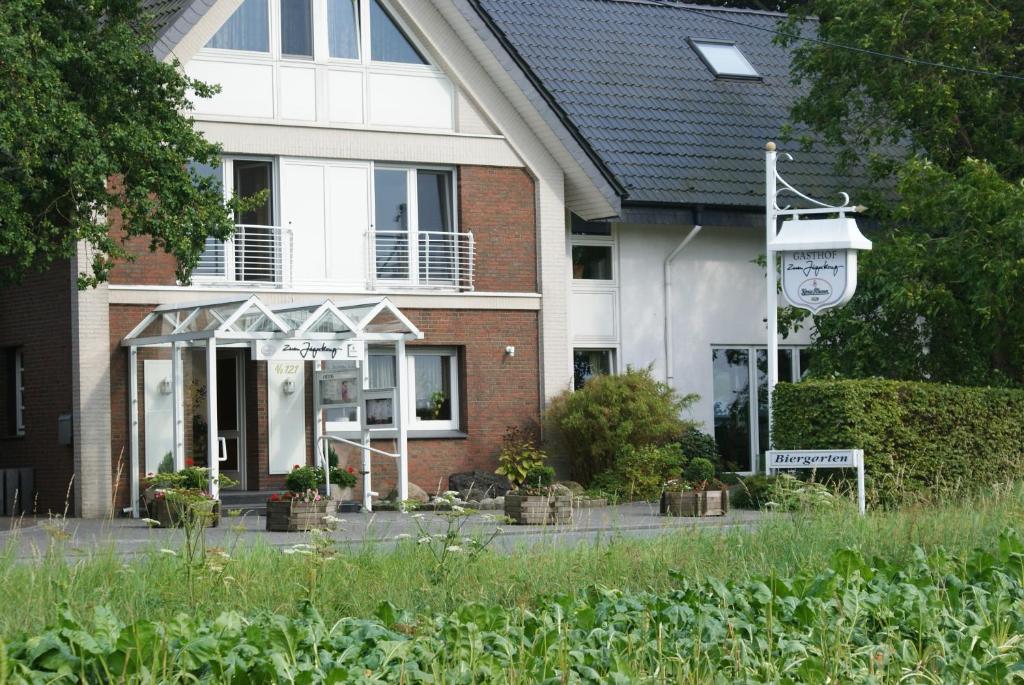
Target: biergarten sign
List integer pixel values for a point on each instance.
(781, 460)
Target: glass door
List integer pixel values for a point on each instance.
(231, 416)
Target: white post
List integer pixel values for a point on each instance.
(321, 448)
(178, 400)
(401, 404)
(367, 480)
(771, 285)
(212, 444)
(133, 400)
(861, 504)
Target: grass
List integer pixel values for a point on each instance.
(353, 583)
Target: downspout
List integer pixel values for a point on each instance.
(669, 372)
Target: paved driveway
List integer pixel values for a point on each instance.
(129, 536)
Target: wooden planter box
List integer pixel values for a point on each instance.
(538, 510)
(705, 503)
(169, 514)
(292, 516)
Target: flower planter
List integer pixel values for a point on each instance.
(538, 510)
(695, 503)
(292, 516)
(170, 514)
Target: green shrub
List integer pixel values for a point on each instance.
(753, 492)
(613, 413)
(915, 436)
(640, 472)
(698, 470)
(696, 444)
(519, 455)
(303, 478)
(541, 476)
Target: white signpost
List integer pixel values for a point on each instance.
(819, 271)
(309, 350)
(777, 460)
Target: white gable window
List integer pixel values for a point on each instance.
(247, 29)
(723, 58)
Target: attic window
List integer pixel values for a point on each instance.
(723, 58)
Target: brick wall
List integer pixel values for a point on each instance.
(37, 317)
(498, 205)
(148, 268)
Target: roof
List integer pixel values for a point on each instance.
(667, 129)
(172, 20)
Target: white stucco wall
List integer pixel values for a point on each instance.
(718, 298)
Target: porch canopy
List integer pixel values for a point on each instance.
(247, 322)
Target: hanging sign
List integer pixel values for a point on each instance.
(819, 279)
(776, 460)
(301, 349)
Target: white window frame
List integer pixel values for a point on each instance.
(227, 171)
(697, 45)
(415, 423)
(19, 392)
(413, 227)
(753, 420)
(599, 241)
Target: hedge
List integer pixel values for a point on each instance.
(914, 435)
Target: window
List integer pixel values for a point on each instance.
(297, 28)
(343, 28)
(724, 59)
(741, 420)
(433, 401)
(251, 254)
(589, 363)
(387, 42)
(592, 262)
(15, 372)
(433, 389)
(247, 29)
(414, 226)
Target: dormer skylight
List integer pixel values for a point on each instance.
(723, 58)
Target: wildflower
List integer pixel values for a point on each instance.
(152, 523)
(417, 516)
(453, 548)
(333, 519)
(457, 509)
(402, 536)
(169, 552)
(423, 540)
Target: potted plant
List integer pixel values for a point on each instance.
(705, 498)
(344, 479)
(538, 502)
(171, 497)
(302, 507)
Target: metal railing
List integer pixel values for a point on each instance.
(424, 259)
(256, 255)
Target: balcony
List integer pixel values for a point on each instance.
(437, 260)
(265, 256)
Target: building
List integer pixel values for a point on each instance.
(503, 181)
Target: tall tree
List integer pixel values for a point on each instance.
(92, 127)
(941, 297)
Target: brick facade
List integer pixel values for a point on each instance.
(498, 205)
(36, 316)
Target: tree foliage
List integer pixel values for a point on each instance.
(940, 297)
(92, 128)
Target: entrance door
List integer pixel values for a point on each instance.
(231, 415)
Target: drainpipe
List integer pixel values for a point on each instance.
(669, 373)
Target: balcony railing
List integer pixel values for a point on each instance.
(263, 256)
(257, 255)
(425, 259)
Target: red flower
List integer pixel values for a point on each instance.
(295, 467)
(351, 470)
(189, 461)
(275, 497)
